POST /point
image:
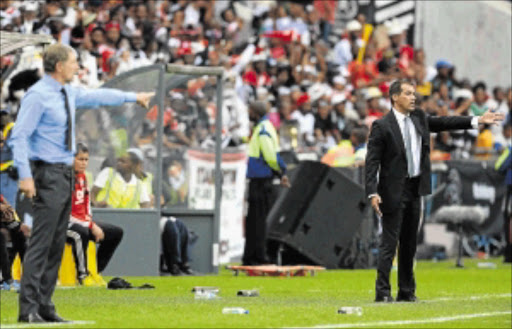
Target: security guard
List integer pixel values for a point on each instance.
(264, 164)
(120, 188)
(8, 173)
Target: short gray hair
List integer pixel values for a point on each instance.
(259, 107)
(55, 53)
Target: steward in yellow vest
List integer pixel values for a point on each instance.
(264, 164)
(119, 187)
(145, 177)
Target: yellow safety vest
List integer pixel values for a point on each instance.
(148, 182)
(7, 129)
(116, 195)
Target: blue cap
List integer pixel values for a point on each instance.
(443, 63)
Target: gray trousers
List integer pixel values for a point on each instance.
(52, 208)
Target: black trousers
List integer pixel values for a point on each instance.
(175, 243)
(260, 203)
(18, 247)
(399, 227)
(507, 223)
(5, 264)
(52, 207)
(79, 236)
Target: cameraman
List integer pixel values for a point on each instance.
(8, 173)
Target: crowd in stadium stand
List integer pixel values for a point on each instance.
(281, 52)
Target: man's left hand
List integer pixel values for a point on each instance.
(144, 98)
(285, 181)
(491, 117)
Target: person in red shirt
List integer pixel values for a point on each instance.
(82, 228)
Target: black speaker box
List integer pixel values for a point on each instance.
(320, 216)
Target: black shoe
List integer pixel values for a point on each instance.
(406, 298)
(52, 317)
(31, 318)
(384, 299)
(175, 270)
(185, 269)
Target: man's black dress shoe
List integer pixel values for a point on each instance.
(52, 317)
(31, 318)
(384, 299)
(406, 298)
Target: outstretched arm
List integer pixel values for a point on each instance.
(438, 124)
(94, 98)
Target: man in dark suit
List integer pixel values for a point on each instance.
(398, 174)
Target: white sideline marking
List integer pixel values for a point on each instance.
(427, 320)
(46, 324)
(442, 299)
(447, 299)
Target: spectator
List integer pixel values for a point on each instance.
(501, 104)
(30, 10)
(82, 228)
(345, 49)
(342, 121)
(174, 184)
(324, 126)
(422, 72)
(443, 75)
(444, 101)
(484, 143)
(359, 139)
(305, 119)
(145, 177)
(479, 105)
(88, 73)
(326, 10)
(402, 52)
(125, 61)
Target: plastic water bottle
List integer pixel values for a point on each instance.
(234, 310)
(486, 265)
(351, 310)
(205, 294)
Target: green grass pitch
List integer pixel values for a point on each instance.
(450, 297)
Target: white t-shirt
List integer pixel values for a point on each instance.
(102, 178)
(191, 16)
(306, 123)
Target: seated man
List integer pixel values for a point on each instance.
(175, 240)
(17, 231)
(82, 229)
(119, 187)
